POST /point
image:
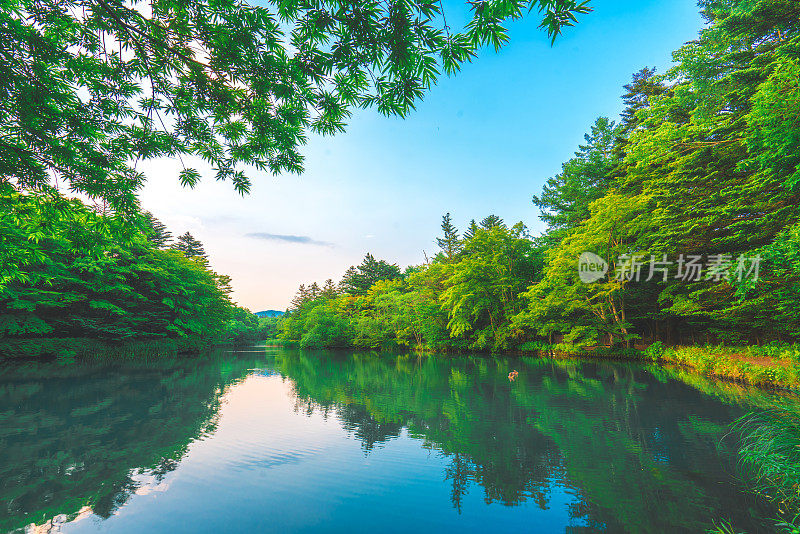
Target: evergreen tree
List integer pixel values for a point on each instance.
(350, 277)
(492, 221)
(313, 291)
(156, 232)
(358, 279)
(566, 197)
(191, 247)
(708, 165)
(329, 290)
(472, 229)
(301, 297)
(644, 85)
(449, 242)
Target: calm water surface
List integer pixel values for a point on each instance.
(272, 440)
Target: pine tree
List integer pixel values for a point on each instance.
(314, 290)
(471, 230)
(644, 85)
(300, 298)
(329, 289)
(358, 279)
(566, 197)
(449, 243)
(191, 247)
(157, 234)
(492, 221)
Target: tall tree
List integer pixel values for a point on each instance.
(86, 274)
(301, 297)
(481, 290)
(644, 86)
(191, 247)
(492, 221)
(157, 233)
(329, 290)
(314, 290)
(566, 197)
(472, 228)
(449, 242)
(358, 279)
(582, 313)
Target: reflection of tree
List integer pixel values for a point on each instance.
(639, 463)
(75, 436)
(368, 431)
(447, 405)
(458, 472)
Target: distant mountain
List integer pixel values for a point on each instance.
(270, 313)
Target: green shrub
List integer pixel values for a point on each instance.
(655, 351)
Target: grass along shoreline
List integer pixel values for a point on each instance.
(774, 365)
(760, 366)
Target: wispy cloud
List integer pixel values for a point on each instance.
(299, 239)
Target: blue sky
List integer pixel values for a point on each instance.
(482, 142)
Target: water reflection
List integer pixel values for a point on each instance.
(575, 447)
(88, 436)
(643, 452)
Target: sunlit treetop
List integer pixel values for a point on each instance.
(90, 88)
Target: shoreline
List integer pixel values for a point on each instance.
(774, 367)
(721, 362)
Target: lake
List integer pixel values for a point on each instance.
(277, 440)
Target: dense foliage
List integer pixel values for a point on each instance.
(73, 272)
(90, 87)
(704, 162)
(771, 449)
(246, 327)
(464, 298)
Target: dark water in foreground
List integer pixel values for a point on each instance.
(273, 440)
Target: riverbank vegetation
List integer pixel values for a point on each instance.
(78, 280)
(771, 450)
(700, 172)
(91, 89)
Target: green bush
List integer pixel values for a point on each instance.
(655, 351)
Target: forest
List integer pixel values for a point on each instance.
(77, 280)
(89, 89)
(702, 164)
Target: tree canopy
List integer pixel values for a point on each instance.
(88, 88)
(69, 272)
(359, 278)
(191, 247)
